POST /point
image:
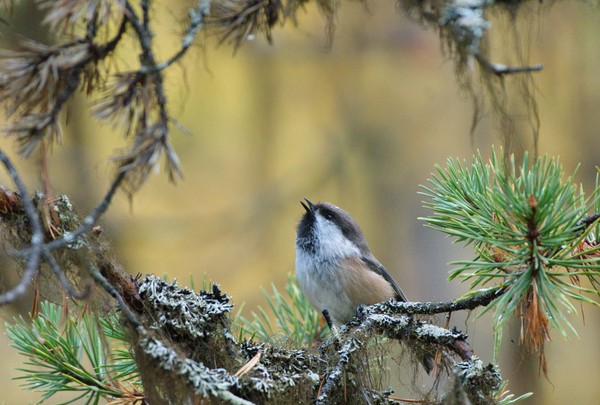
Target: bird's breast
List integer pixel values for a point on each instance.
(322, 282)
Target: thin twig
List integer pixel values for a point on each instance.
(73, 76)
(587, 222)
(196, 23)
(87, 223)
(148, 59)
(432, 308)
(110, 46)
(62, 278)
(499, 69)
(149, 68)
(37, 236)
(145, 4)
(109, 288)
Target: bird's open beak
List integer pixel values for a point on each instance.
(309, 206)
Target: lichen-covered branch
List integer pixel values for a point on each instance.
(464, 25)
(474, 383)
(185, 349)
(197, 379)
(481, 299)
(418, 336)
(190, 346)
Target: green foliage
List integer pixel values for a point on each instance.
(295, 318)
(504, 396)
(525, 223)
(76, 354)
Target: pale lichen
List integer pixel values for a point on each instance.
(467, 22)
(478, 381)
(181, 310)
(205, 382)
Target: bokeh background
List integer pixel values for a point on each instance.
(360, 123)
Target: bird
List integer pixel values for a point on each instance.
(335, 268)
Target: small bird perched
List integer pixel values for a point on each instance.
(336, 270)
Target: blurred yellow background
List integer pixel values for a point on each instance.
(361, 125)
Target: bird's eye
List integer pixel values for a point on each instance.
(327, 214)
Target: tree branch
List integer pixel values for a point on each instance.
(499, 69)
(87, 224)
(37, 236)
(431, 308)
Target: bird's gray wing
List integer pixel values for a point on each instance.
(382, 271)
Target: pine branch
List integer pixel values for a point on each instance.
(530, 232)
(56, 344)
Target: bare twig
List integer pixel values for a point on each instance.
(148, 60)
(499, 69)
(62, 278)
(109, 288)
(37, 236)
(588, 221)
(106, 49)
(152, 131)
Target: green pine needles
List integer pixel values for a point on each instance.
(298, 323)
(531, 236)
(78, 354)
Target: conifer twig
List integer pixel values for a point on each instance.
(37, 236)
